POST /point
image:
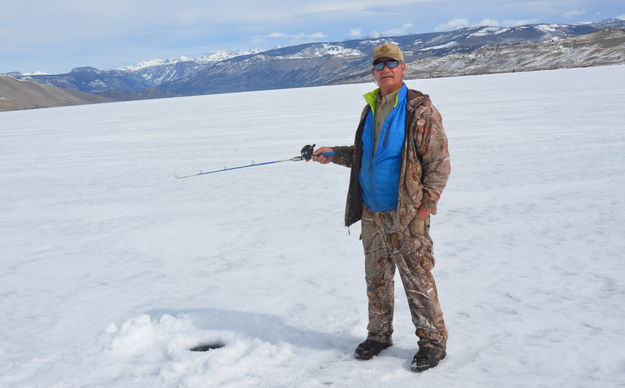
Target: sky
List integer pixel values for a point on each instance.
(56, 36)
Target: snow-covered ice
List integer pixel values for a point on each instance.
(111, 269)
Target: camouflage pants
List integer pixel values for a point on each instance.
(386, 247)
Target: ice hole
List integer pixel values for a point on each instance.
(207, 346)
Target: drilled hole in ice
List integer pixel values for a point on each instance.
(207, 346)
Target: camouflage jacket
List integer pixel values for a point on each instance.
(425, 164)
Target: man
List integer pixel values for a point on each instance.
(399, 168)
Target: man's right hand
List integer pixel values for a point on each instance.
(318, 157)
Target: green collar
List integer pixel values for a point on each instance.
(372, 98)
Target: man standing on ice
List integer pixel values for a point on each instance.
(399, 167)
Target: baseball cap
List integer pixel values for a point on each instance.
(387, 50)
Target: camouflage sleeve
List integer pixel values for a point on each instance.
(434, 153)
(344, 155)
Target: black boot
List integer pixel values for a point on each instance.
(369, 348)
(427, 357)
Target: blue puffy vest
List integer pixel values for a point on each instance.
(379, 175)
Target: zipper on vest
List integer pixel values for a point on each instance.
(374, 198)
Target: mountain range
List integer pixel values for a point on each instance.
(23, 94)
(472, 50)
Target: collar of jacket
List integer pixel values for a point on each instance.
(371, 97)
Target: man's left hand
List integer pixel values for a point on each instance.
(423, 212)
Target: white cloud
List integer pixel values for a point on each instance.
(571, 14)
(293, 37)
(516, 23)
(355, 32)
(452, 24)
(277, 35)
(335, 6)
(489, 23)
(622, 17)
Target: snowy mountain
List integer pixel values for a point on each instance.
(132, 79)
(604, 47)
(157, 71)
(92, 80)
(310, 64)
(470, 51)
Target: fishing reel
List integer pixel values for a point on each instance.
(307, 152)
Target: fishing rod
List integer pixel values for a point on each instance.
(306, 154)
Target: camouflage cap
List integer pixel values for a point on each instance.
(387, 50)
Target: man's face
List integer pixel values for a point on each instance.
(389, 79)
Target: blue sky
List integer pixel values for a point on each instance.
(55, 36)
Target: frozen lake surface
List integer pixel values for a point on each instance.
(111, 269)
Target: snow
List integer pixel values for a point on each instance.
(379, 40)
(440, 46)
(489, 30)
(150, 63)
(37, 72)
(549, 27)
(204, 59)
(222, 55)
(111, 269)
(321, 50)
(97, 84)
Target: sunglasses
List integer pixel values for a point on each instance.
(390, 64)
